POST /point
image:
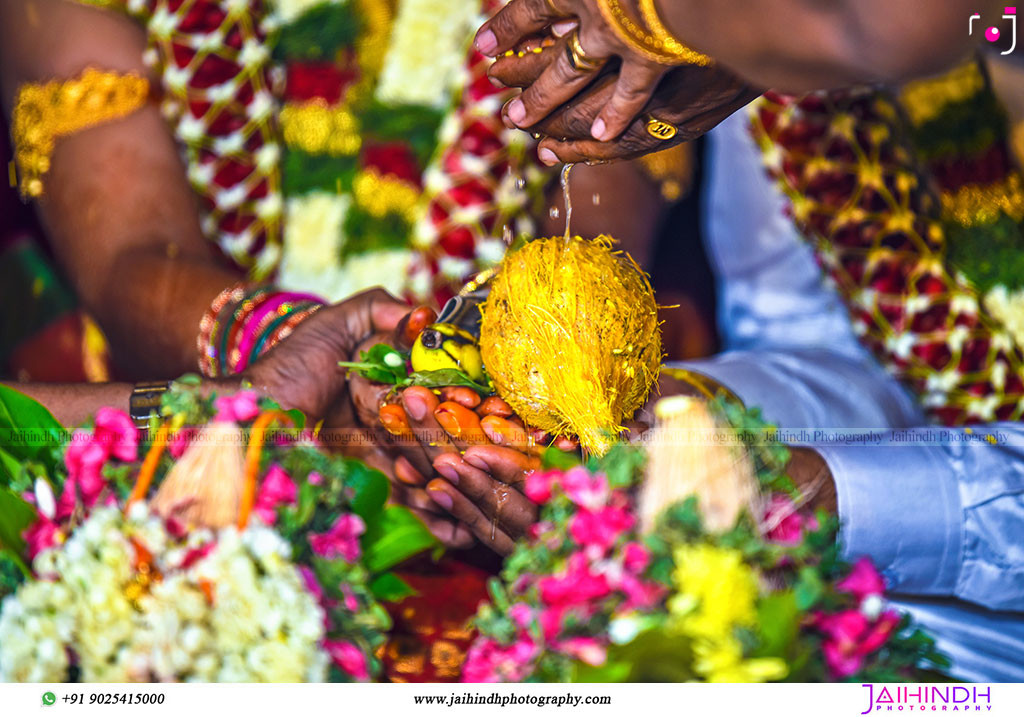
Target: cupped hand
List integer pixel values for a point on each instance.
(581, 23)
(302, 371)
(691, 98)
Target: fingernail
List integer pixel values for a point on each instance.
(448, 471)
(476, 462)
(598, 129)
(516, 111)
(563, 27)
(415, 405)
(448, 421)
(547, 156)
(487, 42)
(441, 498)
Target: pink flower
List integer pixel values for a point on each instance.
(276, 488)
(585, 649)
(342, 540)
(635, 557)
(311, 583)
(640, 594)
(521, 614)
(116, 432)
(788, 523)
(850, 637)
(41, 535)
(314, 478)
(84, 459)
(862, 581)
(574, 587)
(539, 485)
(349, 658)
(349, 601)
(181, 440)
(585, 489)
(238, 407)
(490, 661)
(600, 528)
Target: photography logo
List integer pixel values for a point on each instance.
(994, 34)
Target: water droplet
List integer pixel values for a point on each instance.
(596, 199)
(520, 183)
(506, 235)
(554, 213)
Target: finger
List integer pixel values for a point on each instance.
(411, 325)
(498, 501)
(558, 84)
(469, 515)
(461, 424)
(494, 406)
(393, 418)
(384, 310)
(633, 90)
(407, 473)
(513, 22)
(521, 68)
(503, 432)
(452, 534)
(461, 395)
(552, 151)
(420, 404)
(505, 464)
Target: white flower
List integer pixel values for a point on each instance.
(191, 129)
(176, 77)
(290, 10)
(230, 198)
(261, 106)
(230, 144)
(45, 501)
(313, 239)
(253, 53)
(455, 267)
(490, 251)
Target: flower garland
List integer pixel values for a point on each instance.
(589, 597)
(932, 282)
(398, 170)
(146, 567)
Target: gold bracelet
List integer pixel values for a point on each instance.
(706, 386)
(644, 43)
(650, 15)
(44, 112)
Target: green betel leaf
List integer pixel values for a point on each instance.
(28, 431)
(778, 619)
(15, 517)
(381, 364)
(393, 536)
(370, 490)
(447, 377)
(391, 588)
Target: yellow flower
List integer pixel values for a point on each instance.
(716, 590)
(385, 195)
(722, 661)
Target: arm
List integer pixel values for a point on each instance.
(117, 207)
(795, 45)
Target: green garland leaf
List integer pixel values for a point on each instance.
(396, 535)
(28, 432)
(302, 173)
(318, 33)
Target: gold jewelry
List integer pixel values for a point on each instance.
(644, 43)
(671, 45)
(577, 57)
(660, 129)
(145, 401)
(671, 169)
(555, 9)
(44, 112)
(706, 386)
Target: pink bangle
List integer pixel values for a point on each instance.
(255, 324)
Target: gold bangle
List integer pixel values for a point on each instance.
(650, 15)
(706, 386)
(44, 112)
(641, 41)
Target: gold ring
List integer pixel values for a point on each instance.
(577, 57)
(554, 8)
(659, 129)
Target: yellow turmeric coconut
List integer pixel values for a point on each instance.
(570, 337)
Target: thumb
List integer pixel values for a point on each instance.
(385, 311)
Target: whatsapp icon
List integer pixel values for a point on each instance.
(49, 698)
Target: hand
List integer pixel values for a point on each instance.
(691, 98)
(813, 477)
(562, 78)
(302, 371)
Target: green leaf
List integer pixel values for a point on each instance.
(15, 517)
(447, 377)
(381, 364)
(28, 431)
(393, 536)
(370, 490)
(809, 587)
(391, 588)
(778, 618)
(318, 33)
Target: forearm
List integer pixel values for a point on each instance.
(73, 403)
(795, 45)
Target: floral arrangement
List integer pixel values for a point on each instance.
(172, 555)
(931, 279)
(590, 596)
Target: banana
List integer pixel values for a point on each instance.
(446, 346)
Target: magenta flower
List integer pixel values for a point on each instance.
(116, 432)
(576, 586)
(84, 459)
(311, 583)
(539, 485)
(862, 581)
(640, 594)
(342, 540)
(237, 407)
(635, 557)
(585, 489)
(585, 649)
(600, 528)
(349, 658)
(276, 489)
(850, 637)
(41, 535)
(788, 523)
(490, 661)
(181, 440)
